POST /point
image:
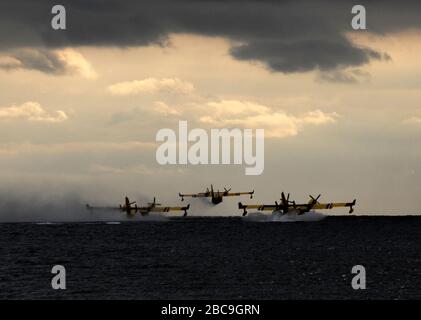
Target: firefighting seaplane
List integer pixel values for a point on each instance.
(216, 196)
(131, 208)
(291, 207)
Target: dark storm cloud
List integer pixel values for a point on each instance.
(305, 55)
(287, 36)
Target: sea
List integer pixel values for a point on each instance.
(214, 258)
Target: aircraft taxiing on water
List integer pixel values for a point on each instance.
(216, 196)
(286, 206)
(131, 208)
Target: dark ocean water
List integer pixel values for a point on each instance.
(215, 258)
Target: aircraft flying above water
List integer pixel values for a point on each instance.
(216, 196)
(287, 207)
(131, 208)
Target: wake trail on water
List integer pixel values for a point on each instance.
(311, 216)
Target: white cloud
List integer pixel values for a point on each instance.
(157, 109)
(31, 111)
(277, 124)
(152, 85)
(235, 107)
(76, 62)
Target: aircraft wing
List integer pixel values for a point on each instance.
(233, 194)
(168, 209)
(194, 195)
(335, 205)
(259, 207)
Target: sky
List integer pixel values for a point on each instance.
(80, 108)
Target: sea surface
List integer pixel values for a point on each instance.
(213, 258)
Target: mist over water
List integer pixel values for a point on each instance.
(204, 207)
(57, 205)
(20, 206)
(311, 216)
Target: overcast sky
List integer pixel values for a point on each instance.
(80, 108)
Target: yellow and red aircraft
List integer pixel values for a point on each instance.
(131, 208)
(287, 206)
(216, 196)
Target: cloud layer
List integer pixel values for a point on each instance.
(277, 124)
(31, 111)
(303, 36)
(151, 85)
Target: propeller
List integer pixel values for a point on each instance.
(153, 203)
(315, 199)
(284, 200)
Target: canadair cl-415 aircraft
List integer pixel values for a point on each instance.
(131, 208)
(287, 206)
(216, 196)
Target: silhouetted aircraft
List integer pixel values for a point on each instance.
(287, 206)
(216, 196)
(131, 208)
